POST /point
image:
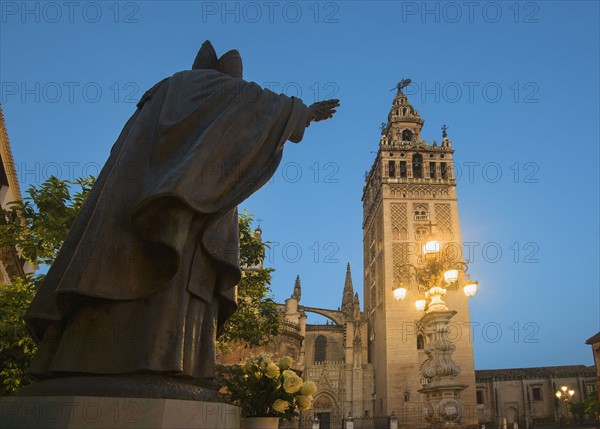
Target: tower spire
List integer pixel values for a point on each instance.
(348, 297)
(297, 289)
(404, 122)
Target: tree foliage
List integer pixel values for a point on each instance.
(17, 348)
(592, 405)
(38, 226)
(256, 320)
(578, 410)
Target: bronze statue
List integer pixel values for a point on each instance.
(401, 85)
(148, 271)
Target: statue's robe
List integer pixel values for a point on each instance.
(149, 268)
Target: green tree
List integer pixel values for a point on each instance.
(592, 405)
(38, 226)
(256, 320)
(578, 410)
(17, 348)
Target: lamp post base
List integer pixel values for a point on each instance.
(443, 407)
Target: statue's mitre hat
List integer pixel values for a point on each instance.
(230, 62)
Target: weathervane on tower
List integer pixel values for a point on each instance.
(402, 84)
(444, 131)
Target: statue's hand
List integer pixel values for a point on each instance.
(322, 110)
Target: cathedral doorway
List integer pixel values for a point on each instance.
(324, 408)
(324, 420)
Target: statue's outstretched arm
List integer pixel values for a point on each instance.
(322, 110)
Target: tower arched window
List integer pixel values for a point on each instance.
(444, 170)
(417, 166)
(420, 342)
(402, 168)
(407, 135)
(392, 168)
(320, 349)
(421, 233)
(403, 234)
(421, 213)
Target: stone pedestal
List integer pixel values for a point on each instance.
(66, 412)
(443, 407)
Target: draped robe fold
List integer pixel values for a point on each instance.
(149, 268)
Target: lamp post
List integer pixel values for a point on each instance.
(443, 406)
(565, 394)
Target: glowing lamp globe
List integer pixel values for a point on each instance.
(431, 247)
(400, 293)
(420, 304)
(451, 276)
(470, 288)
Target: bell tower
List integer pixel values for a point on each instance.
(409, 197)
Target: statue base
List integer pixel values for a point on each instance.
(146, 386)
(91, 412)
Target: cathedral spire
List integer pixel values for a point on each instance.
(356, 307)
(297, 289)
(348, 297)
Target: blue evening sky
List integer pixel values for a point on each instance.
(516, 82)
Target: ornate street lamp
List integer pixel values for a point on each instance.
(565, 394)
(443, 406)
(434, 279)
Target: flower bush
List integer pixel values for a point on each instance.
(263, 388)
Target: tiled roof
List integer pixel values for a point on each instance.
(594, 339)
(535, 373)
(7, 158)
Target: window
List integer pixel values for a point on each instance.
(320, 349)
(421, 233)
(444, 170)
(407, 135)
(403, 234)
(420, 342)
(417, 165)
(480, 397)
(432, 170)
(421, 213)
(536, 392)
(406, 397)
(590, 389)
(402, 168)
(392, 168)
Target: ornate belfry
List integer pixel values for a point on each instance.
(409, 197)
